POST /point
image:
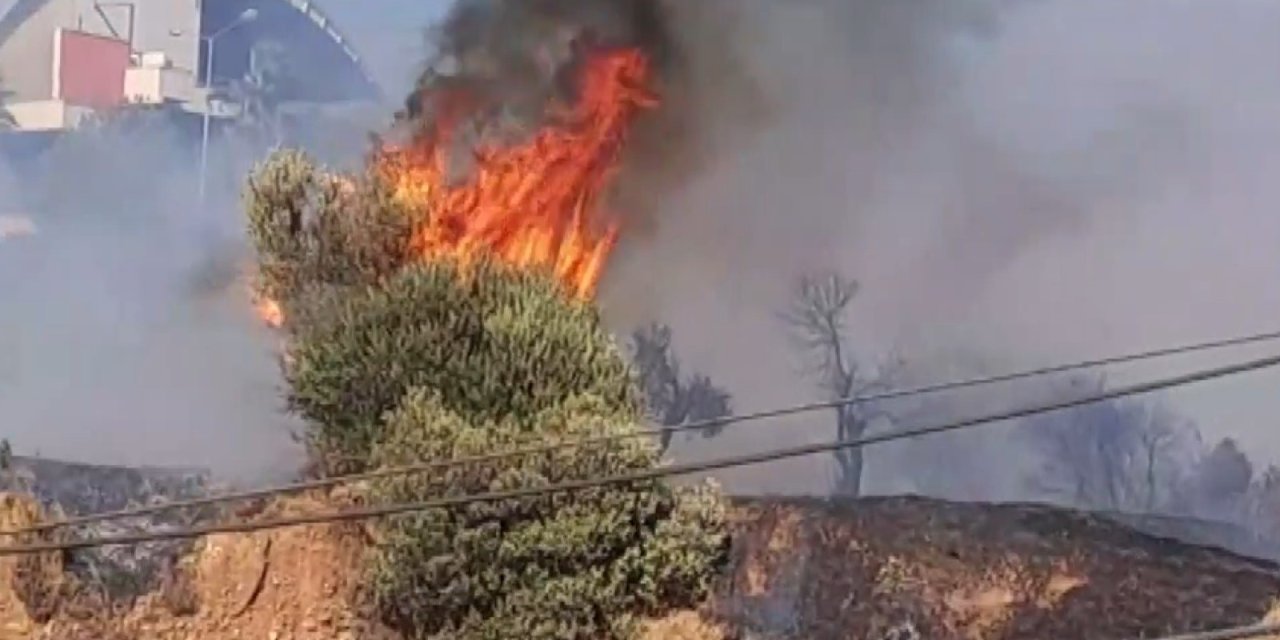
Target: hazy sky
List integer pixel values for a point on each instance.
(1096, 178)
(392, 40)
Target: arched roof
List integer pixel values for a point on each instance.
(13, 13)
(334, 71)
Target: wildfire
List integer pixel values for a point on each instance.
(537, 204)
(270, 312)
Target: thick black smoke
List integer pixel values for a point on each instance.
(512, 66)
(1027, 182)
(514, 56)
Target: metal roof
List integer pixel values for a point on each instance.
(317, 17)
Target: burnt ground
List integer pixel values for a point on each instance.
(897, 568)
(86, 488)
(908, 567)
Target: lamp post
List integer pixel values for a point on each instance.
(247, 16)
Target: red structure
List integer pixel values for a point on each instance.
(89, 70)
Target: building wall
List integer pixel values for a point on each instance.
(170, 26)
(26, 57)
(164, 18)
(90, 69)
(46, 115)
(151, 85)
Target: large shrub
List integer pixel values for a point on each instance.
(572, 565)
(496, 344)
(318, 234)
(398, 361)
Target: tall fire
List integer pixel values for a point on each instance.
(270, 312)
(538, 204)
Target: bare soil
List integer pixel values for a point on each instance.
(907, 567)
(878, 569)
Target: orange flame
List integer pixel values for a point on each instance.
(537, 204)
(270, 312)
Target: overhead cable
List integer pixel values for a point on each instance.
(771, 455)
(698, 425)
(1262, 630)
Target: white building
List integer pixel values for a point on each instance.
(63, 59)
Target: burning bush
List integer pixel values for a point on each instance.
(495, 343)
(316, 233)
(439, 307)
(440, 361)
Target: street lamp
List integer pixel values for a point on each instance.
(245, 17)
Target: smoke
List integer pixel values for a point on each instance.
(505, 68)
(1013, 182)
(1024, 182)
(516, 56)
(125, 335)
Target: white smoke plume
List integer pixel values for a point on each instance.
(1024, 182)
(1021, 181)
(125, 337)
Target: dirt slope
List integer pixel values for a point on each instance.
(915, 568)
(291, 584)
(876, 569)
(14, 621)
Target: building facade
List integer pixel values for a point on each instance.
(62, 60)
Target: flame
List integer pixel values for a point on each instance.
(537, 204)
(270, 312)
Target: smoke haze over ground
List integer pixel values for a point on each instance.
(1014, 183)
(124, 337)
(1024, 182)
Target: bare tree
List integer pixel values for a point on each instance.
(1264, 503)
(817, 319)
(1114, 455)
(671, 399)
(8, 475)
(1158, 441)
(1222, 482)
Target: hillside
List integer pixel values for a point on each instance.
(75, 488)
(877, 568)
(85, 488)
(918, 568)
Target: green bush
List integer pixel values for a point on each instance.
(496, 344)
(565, 566)
(315, 233)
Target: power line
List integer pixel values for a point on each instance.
(635, 476)
(1231, 633)
(697, 425)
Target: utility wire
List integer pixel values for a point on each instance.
(697, 425)
(1231, 633)
(635, 476)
